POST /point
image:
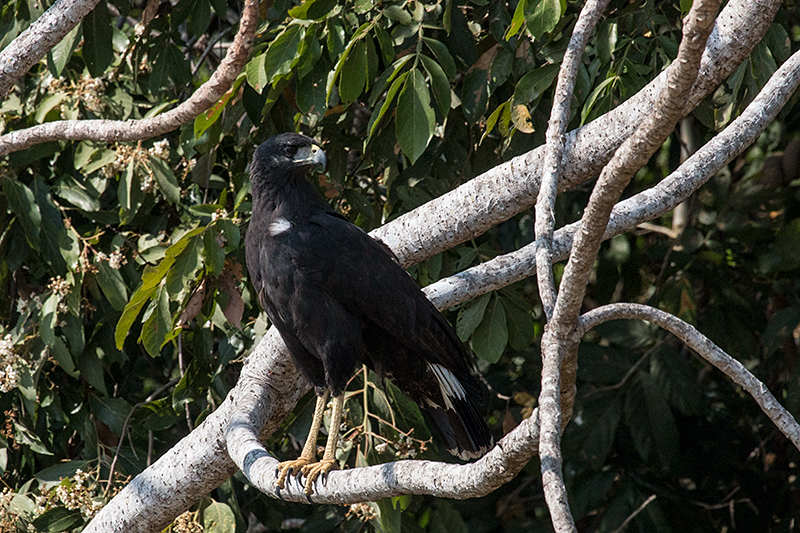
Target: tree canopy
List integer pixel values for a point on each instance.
(126, 315)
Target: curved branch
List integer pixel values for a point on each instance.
(372, 483)
(555, 490)
(707, 350)
(31, 45)
(131, 130)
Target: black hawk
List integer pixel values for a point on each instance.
(340, 299)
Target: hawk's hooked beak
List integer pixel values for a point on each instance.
(312, 156)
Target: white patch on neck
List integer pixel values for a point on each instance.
(449, 385)
(279, 226)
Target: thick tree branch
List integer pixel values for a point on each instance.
(372, 483)
(131, 130)
(707, 350)
(555, 490)
(31, 45)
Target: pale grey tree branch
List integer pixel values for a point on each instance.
(554, 148)
(133, 130)
(555, 490)
(707, 350)
(43, 34)
(642, 207)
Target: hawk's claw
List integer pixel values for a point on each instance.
(284, 468)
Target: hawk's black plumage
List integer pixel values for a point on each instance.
(339, 299)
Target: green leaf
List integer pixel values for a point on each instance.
(165, 178)
(312, 9)
(49, 317)
(22, 202)
(532, 85)
(311, 93)
(77, 194)
(131, 311)
(200, 17)
(61, 354)
(354, 73)
(213, 255)
(544, 18)
(111, 412)
(389, 519)
(521, 326)
(282, 53)
(187, 262)
(602, 417)
(517, 20)
(439, 84)
(398, 14)
(113, 286)
(54, 474)
(156, 416)
(129, 193)
(255, 73)
(589, 103)
(491, 335)
(60, 248)
(442, 56)
(48, 104)
(218, 518)
(406, 411)
(470, 316)
(92, 370)
(193, 385)
(158, 324)
(98, 50)
(57, 519)
(206, 119)
(386, 103)
(415, 120)
(60, 54)
(28, 438)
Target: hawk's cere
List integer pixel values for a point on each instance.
(340, 299)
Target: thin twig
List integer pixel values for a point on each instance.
(627, 521)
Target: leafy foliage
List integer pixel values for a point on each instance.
(125, 308)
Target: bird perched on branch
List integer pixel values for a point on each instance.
(340, 299)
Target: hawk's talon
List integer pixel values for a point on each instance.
(285, 468)
(312, 471)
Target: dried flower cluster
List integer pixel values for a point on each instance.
(187, 523)
(87, 91)
(74, 493)
(362, 511)
(61, 288)
(10, 365)
(127, 153)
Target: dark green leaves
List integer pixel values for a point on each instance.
(415, 118)
(98, 51)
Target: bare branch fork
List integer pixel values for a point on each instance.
(550, 396)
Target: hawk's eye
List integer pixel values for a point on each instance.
(291, 150)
